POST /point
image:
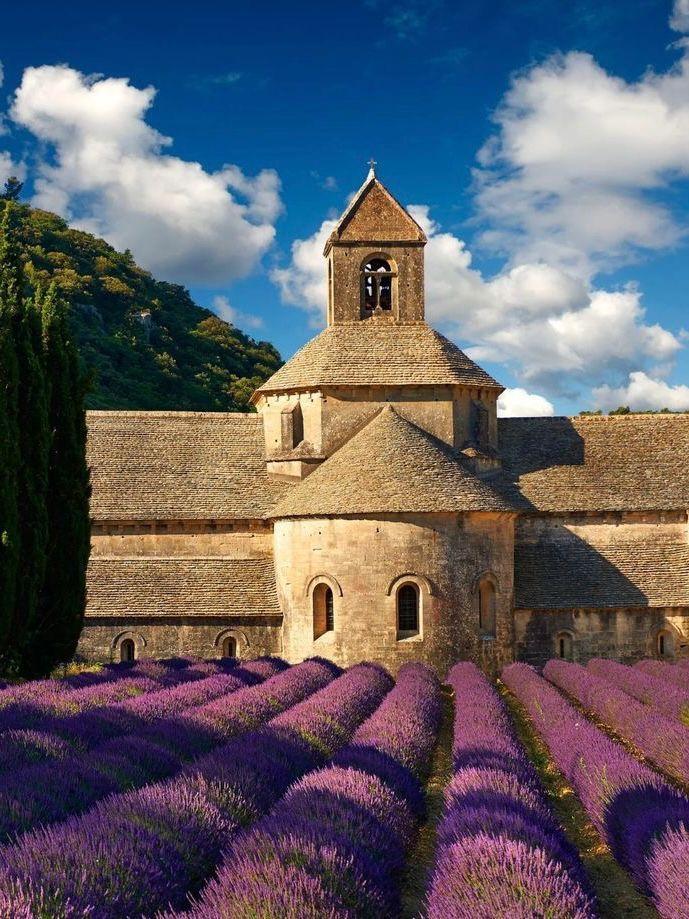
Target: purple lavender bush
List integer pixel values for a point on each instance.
(662, 670)
(662, 740)
(335, 845)
(643, 818)
(665, 696)
(43, 794)
(500, 850)
(142, 852)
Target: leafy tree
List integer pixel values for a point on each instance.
(13, 189)
(44, 480)
(10, 299)
(32, 475)
(63, 599)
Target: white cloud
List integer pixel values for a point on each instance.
(679, 21)
(571, 177)
(643, 393)
(303, 282)
(108, 174)
(223, 308)
(518, 403)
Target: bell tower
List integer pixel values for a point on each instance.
(375, 260)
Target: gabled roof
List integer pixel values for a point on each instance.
(178, 466)
(156, 586)
(374, 214)
(391, 466)
(598, 463)
(378, 352)
(614, 566)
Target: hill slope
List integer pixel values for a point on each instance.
(146, 342)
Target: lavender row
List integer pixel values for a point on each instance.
(157, 670)
(678, 676)
(137, 854)
(43, 794)
(662, 740)
(500, 850)
(664, 696)
(59, 737)
(643, 819)
(43, 709)
(335, 844)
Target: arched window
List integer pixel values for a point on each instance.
(564, 645)
(229, 646)
(665, 643)
(323, 610)
(377, 285)
(486, 608)
(127, 650)
(408, 610)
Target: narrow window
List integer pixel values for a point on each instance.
(408, 609)
(665, 644)
(323, 610)
(378, 279)
(329, 611)
(486, 608)
(127, 650)
(229, 647)
(564, 646)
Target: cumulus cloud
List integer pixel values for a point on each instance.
(303, 282)
(643, 393)
(107, 172)
(572, 175)
(554, 330)
(518, 403)
(679, 21)
(239, 319)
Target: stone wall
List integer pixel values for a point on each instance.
(334, 416)
(365, 560)
(626, 635)
(154, 637)
(240, 540)
(346, 264)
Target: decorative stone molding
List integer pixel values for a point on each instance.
(328, 579)
(420, 580)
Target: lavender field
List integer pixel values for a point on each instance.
(259, 790)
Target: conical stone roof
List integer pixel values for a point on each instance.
(391, 466)
(378, 352)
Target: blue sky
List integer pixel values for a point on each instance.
(545, 145)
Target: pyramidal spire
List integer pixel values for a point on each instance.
(371, 169)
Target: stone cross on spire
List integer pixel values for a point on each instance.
(372, 168)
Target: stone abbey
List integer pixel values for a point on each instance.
(374, 507)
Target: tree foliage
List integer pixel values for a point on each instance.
(145, 343)
(10, 299)
(13, 189)
(44, 481)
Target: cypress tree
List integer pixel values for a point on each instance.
(11, 283)
(63, 598)
(32, 475)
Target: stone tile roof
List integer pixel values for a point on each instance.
(179, 466)
(599, 463)
(375, 214)
(154, 586)
(614, 567)
(391, 466)
(378, 352)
